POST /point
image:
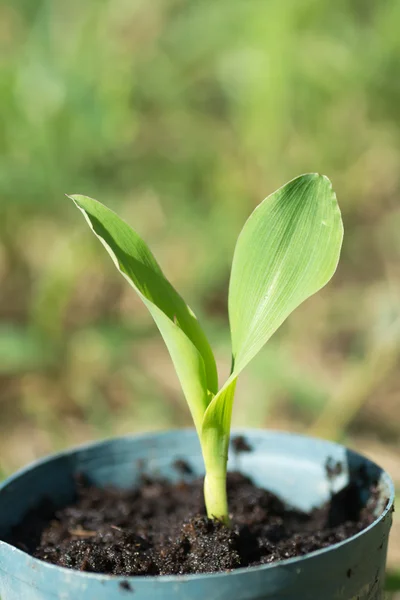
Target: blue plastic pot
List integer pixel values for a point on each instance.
(351, 570)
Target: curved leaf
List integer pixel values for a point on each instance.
(288, 249)
(188, 346)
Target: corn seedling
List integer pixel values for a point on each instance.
(287, 250)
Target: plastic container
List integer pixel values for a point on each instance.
(350, 570)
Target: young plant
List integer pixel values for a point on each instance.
(288, 249)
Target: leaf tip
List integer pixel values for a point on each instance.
(319, 177)
(326, 180)
(73, 197)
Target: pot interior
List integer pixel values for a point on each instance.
(303, 471)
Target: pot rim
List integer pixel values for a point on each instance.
(160, 579)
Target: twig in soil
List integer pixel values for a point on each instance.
(82, 533)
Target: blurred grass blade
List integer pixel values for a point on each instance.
(288, 249)
(188, 346)
(393, 581)
(22, 350)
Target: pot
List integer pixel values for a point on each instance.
(281, 462)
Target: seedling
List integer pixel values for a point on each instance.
(288, 249)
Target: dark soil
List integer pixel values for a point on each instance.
(161, 528)
(240, 444)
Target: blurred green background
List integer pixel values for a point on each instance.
(182, 116)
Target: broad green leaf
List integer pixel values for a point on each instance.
(288, 249)
(188, 346)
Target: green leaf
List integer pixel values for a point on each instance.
(187, 344)
(288, 249)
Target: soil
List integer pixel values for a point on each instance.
(240, 444)
(160, 528)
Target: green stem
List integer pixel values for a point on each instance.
(214, 438)
(215, 495)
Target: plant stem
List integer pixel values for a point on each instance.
(214, 439)
(215, 495)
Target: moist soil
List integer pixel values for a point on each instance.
(160, 528)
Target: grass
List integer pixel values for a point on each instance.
(171, 111)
